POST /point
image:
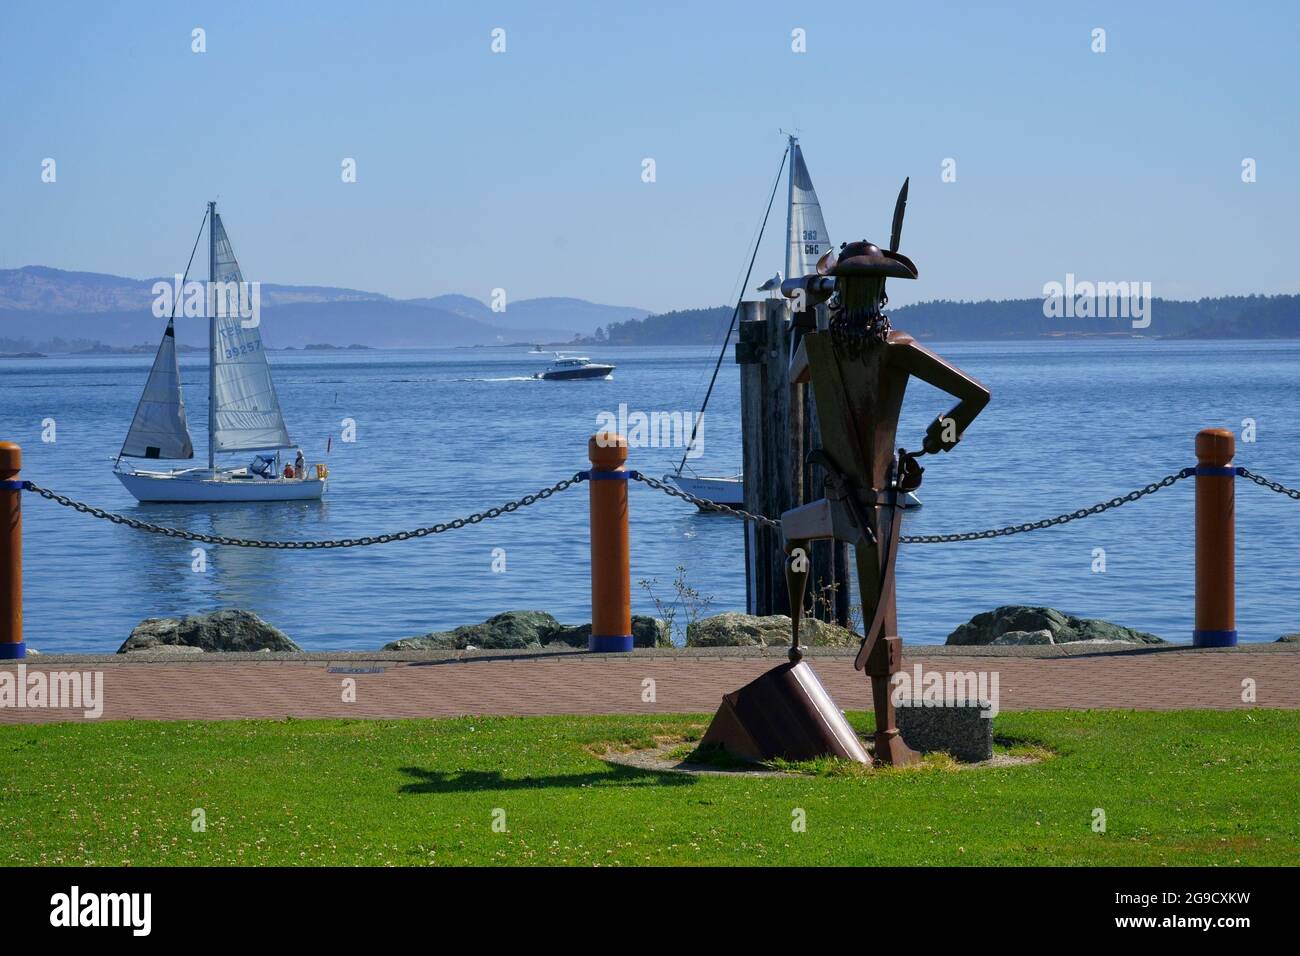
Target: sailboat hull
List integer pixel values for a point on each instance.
(724, 491)
(731, 491)
(199, 486)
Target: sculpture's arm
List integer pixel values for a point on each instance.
(972, 395)
(808, 292)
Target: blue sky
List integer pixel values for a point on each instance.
(522, 170)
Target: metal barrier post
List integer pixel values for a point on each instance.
(611, 574)
(11, 553)
(1216, 601)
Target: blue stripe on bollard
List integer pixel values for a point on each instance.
(1213, 471)
(13, 485)
(606, 475)
(604, 645)
(1214, 638)
(12, 652)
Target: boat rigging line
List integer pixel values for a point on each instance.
(735, 313)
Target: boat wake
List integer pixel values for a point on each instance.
(508, 378)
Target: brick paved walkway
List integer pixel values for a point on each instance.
(580, 684)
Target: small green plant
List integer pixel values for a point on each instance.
(686, 599)
(823, 606)
(823, 600)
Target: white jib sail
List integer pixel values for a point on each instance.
(159, 429)
(807, 240)
(246, 412)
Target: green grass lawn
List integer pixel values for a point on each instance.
(1192, 787)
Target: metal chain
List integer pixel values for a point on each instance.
(1096, 509)
(704, 502)
(1155, 486)
(507, 508)
(1272, 485)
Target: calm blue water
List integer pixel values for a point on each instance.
(443, 433)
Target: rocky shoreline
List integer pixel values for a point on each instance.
(241, 631)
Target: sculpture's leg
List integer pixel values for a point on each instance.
(884, 663)
(797, 564)
(885, 659)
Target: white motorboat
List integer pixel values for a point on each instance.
(243, 410)
(574, 366)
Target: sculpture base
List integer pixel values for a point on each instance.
(784, 713)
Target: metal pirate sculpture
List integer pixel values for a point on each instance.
(859, 367)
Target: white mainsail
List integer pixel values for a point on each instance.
(245, 410)
(806, 239)
(159, 429)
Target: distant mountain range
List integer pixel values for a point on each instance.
(44, 309)
(39, 305)
(1228, 317)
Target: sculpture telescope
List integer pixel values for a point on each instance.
(859, 367)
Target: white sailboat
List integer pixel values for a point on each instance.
(243, 410)
(806, 238)
(806, 241)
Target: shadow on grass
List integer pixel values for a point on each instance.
(471, 781)
(1024, 747)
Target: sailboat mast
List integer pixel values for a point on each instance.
(212, 338)
(791, 260)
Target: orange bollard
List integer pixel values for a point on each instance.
(1216, 564)
(611, 572)
(11, 553)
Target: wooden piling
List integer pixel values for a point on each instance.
(763, 352)
(1216, 601)
(611, 572)
(779, 427)
(830, 584)
(11, 553)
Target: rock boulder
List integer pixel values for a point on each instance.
(218, 631)
(745, 630)
(1018, 624)
(510, 630)
(646, 632)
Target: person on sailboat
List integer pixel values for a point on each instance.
(299, 465)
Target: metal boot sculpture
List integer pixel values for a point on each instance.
(859, 367)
